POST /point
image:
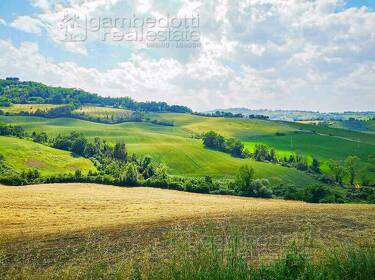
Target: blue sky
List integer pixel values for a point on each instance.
(314, 55)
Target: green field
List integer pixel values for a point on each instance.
(171, 145)
(321, 146)
(362, 126)
(23, 154)
(185, 156)
(243, 129)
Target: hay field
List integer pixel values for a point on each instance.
(107, 113)
(87, 231)
(64, 208)
(31, 108)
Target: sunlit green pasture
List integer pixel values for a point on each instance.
(171, 145)
(22, 155)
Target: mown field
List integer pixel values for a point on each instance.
(23, 155)
(104, 113)
(78, 230)
(31, 108)
(172, 145)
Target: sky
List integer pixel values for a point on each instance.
(276, 54)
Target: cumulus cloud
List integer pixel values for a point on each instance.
(255, 53)
(27, 24)
(2, 21)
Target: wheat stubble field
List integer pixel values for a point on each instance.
(48, 231)
(40, 210)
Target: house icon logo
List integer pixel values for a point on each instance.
(73, 28)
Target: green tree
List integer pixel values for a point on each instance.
(213, 140)
(119, 152)
(338, 170)
(130, 175)
(161, 171)
(79, 145)
(244, 177)
(350, 162)
(315, 166)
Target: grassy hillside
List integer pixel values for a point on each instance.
(336, 132)
(24, 155)
(171, 145)
(362, 126)
(185, 155)
(320, 146)
(239, 128)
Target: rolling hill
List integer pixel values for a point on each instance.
(23, 155)
(172, 145)
(176, 145)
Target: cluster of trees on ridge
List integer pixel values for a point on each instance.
(222, 114)
(18, 92)
(215, 141)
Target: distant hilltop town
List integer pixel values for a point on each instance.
(14, 79)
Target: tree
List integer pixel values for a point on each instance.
(235, 147)
(119, 152)
(39, 138)
(261, 152)
(130, 175)
(79, 145)
(90, 150)
(315, 193)
(244, 177)
(272, 155)
(338, 170)
(161, 172)
(350, 162)
(213, 140)
(315, 166)
(259, 188)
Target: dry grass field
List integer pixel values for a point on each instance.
(106, 113)
(31, 108)
(80, 231)
(63, 208)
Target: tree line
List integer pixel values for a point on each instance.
(221, 114)
(17, 92)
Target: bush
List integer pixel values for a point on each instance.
(322, 194)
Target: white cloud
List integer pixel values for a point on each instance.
(42, 4)
(2, 21)
(27, 24)
(255, 53)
